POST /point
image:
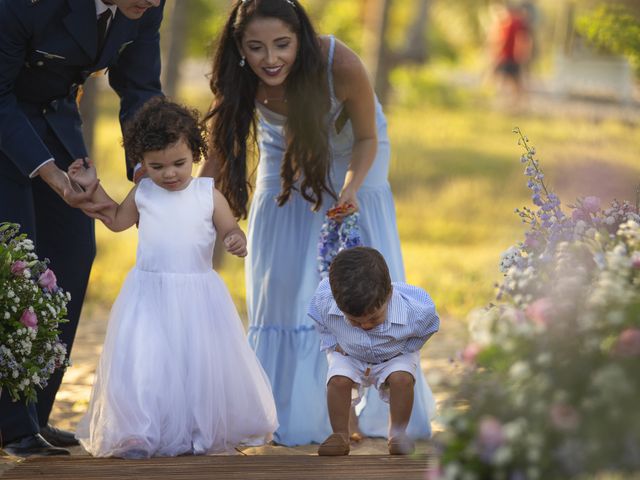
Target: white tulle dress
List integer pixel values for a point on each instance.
(176, 375)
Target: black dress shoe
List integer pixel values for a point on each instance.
(33, 445)
(58, 438)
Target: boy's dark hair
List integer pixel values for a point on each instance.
(360, 280)
(161, 123)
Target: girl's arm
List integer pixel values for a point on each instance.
(232, 236)
(352, 86)
(124, 215)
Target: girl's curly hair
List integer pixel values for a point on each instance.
(161, 123)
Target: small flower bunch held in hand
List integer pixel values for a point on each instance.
(31, 308)
(339, 231)
(550, 382)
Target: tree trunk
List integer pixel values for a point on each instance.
(375, 50)
(89, 113)
(415, 46)
(177, 37)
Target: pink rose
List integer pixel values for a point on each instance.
(628, 343)
(29, 319)
(564, 417)
(18, 267)
(470, 353)
(48, 280)
(540, 311)
(490, 434)
(591, 204)
(434, 471)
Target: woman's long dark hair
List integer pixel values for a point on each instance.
(232, 116)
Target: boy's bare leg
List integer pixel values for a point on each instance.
(354, 428)
(339, 404)
(400, 406)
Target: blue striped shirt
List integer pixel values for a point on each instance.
(411, 320)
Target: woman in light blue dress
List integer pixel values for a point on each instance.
(322, 141)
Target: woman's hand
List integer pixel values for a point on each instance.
(346, 205)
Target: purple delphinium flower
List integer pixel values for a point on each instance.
(335, 236)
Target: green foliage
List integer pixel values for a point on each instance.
(613, 28)
(205, 19)
(413, 85)
(344, 20)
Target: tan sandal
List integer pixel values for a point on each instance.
(334, 445)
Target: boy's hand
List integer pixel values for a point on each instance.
(83, 172)
(236, 244)
(339, 349)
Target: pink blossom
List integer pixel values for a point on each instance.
(29, 319)
(540, 311)
(531, 240)
(564, 417)
(628, 343)
(470, 353)
(434, 471)
(591, 204)
(18, 267)
(48, 280)
(579, 214)
(636, 263)
(490, 434)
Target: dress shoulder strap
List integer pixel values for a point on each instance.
(332, 49)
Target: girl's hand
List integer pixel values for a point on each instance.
(83, 172)
(236, 244)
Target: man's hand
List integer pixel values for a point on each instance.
(75, 197)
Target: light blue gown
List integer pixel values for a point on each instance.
(282, 275)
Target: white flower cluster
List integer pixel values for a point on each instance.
(30, 349)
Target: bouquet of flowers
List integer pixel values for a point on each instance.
(31, 307)
(340, 230)
(550, 382)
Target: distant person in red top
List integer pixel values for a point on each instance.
(510, 43)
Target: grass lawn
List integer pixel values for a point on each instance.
(457, 179)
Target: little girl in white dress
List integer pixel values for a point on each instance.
(176, 375)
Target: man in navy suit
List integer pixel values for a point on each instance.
(48, 48)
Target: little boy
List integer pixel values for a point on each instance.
(372, 330)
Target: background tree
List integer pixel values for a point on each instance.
(615, 28)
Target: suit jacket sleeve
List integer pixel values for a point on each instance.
(18, 139)
(136, 74)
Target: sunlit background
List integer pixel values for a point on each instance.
(455, 172)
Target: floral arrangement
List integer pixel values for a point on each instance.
(340, 230)
(31, 307)
(550, 384)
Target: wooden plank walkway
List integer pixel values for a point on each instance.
(241, 467)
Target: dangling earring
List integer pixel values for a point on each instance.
(242, 61)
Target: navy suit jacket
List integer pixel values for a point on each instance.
(48, 48)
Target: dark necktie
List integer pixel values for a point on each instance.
(103, 23)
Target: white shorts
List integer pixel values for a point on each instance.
(367, 374)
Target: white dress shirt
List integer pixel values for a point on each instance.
(411, 320)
